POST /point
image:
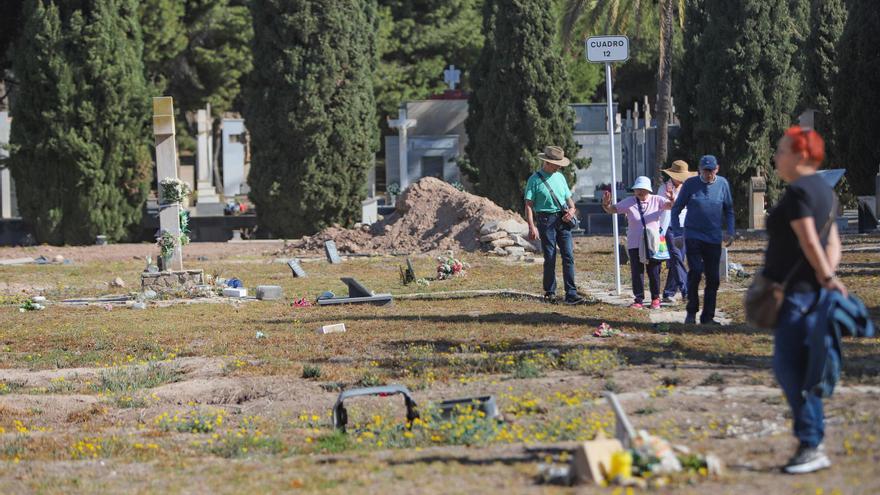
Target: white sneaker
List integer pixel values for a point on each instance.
(807, 460)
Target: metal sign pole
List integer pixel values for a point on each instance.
(610, 119)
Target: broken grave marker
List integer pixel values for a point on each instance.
(296, 269)
(357, 293)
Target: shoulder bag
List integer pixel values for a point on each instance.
(572, 224)
(764, 297)
(653, 245)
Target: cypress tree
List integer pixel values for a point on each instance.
(80, 153)
(857, 95)
(827, 21)
(519, 102)
(739, 87)
(311, 112)
(42, 112)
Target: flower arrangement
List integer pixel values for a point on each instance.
(393, 189)
(449, 267)
(174, 190)
(166, 242)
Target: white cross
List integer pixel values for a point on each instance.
(452, 76)
(402, 124)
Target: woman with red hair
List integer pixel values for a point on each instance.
(802, 254)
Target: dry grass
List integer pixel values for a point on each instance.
(274, 434)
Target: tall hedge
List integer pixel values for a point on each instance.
(310, 110)
(79, 140)
(519, 102)
(857, 96)
(827, 20)
(738, 87)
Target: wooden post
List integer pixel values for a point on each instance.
(166, 166)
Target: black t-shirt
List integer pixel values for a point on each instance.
(809, 196)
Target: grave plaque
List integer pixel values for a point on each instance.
(296, 269)
(332, 253)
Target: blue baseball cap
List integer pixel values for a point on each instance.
(708, 162)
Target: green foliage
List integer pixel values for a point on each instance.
(857, 96)
(132, 378)
(197, 50)
(585, 77)
(164, 39)
(311, 371)
(737, 89)
(80, 155)
(520, 99)
(10, 26)
(416, 40)
(827, 20)
(311, 112)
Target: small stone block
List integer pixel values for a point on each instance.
(235, 292)
(592, 459)
(493, 236)
(268, 292)
(334, 328)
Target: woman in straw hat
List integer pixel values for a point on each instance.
(676, 271)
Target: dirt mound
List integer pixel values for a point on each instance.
(431, 215)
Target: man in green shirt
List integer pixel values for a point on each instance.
(548, 219)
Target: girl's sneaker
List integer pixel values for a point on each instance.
(637, 305)
(655, 304)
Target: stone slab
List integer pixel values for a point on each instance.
(503, 242)
(493, 236)
(235, 292)
(170, 281)
(269, 292)
(334, 328)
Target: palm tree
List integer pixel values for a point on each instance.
(617, 16)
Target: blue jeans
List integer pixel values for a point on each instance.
(790, 355)
(703, 257)
(676, 276)
(553, 235)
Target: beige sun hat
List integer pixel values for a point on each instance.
(554, 155)
(679, 171)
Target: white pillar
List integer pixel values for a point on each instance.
(166, 166)
(5, 176)
(402, 124)
(202, 147)
(207, 200)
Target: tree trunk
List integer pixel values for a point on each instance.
(664, 81)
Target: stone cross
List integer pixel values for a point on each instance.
(452, 76)
(5, 176)
(402, 124)
(166, 166)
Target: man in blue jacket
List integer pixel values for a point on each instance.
(709, 222)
